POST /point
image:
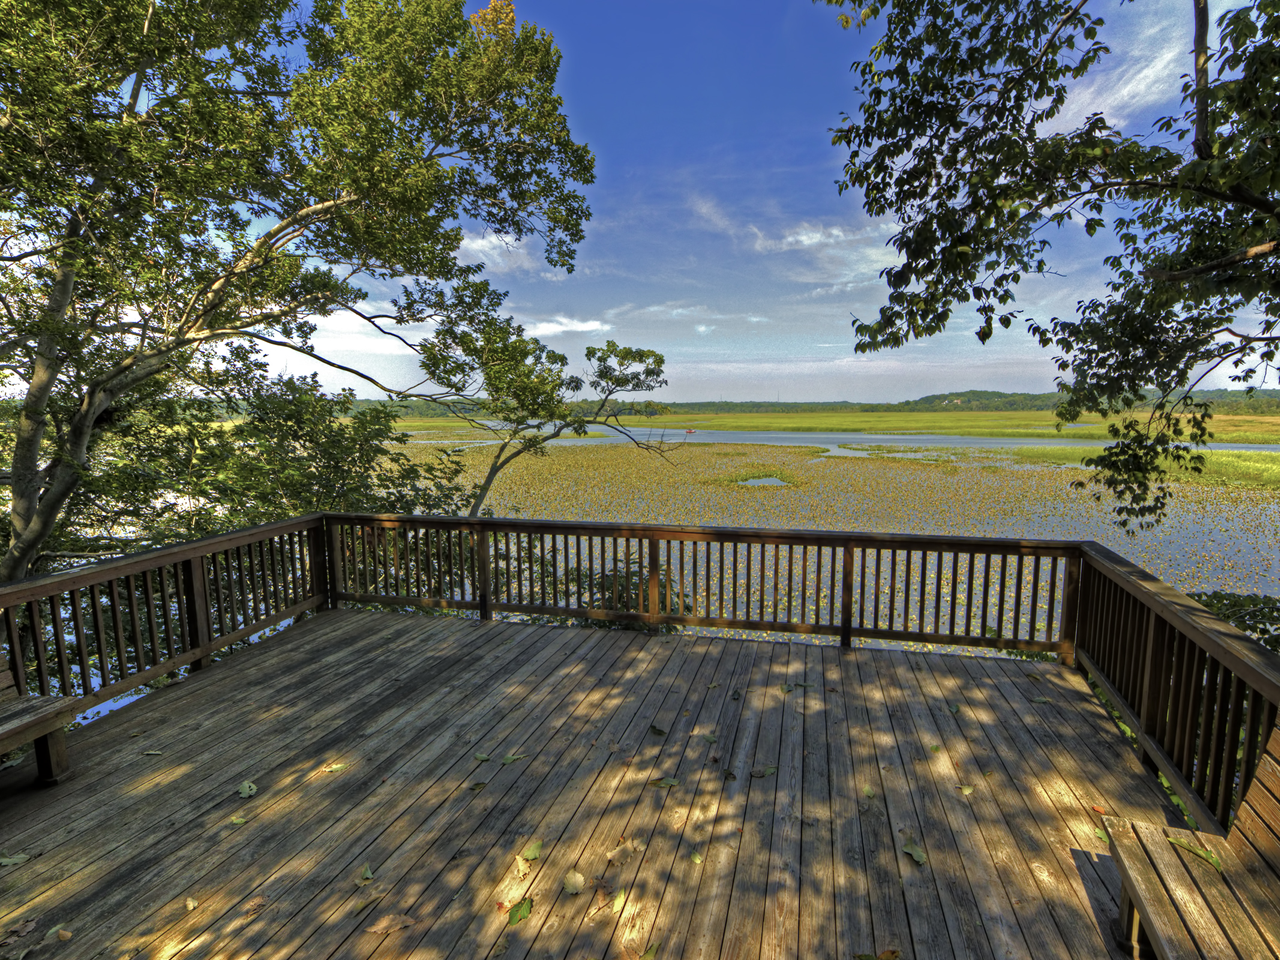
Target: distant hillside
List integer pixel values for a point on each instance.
(1262, 403)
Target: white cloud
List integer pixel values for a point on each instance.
(758, 320)
(709, 211)
(558, 325)
(498, 254)
(703, 329)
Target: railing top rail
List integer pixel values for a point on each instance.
(32, 588)
(1062, 548)
(1237, 651)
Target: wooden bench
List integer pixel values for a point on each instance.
(1221, 902)
(38, 719)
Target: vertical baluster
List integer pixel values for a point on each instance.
(217, 593)
(82, 643)
(937, 591)
(15, 651)
(117, 627)
(166, 613)
(1254, 740)
(1191, 715)
(100, 633)
(1003, 590)
(906, 591)
(66, 686)
(1228, 753)
(36, 623)
(135, 628)
(555, 571)
(149, 598)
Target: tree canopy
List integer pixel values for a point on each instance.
(955, 138)
(178, 177)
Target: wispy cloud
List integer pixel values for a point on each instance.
(498, 254)
(704, 329)
(558, 325)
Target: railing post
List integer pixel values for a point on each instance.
(846, 598)
(318, 561)
(325, 542)
(653, 612)
(199, 618)
(1071, 600)
(482, 571)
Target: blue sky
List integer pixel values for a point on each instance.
(718, 235)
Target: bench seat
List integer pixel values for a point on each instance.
(1176, 903)
(39, 719)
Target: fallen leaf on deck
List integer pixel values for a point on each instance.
(152, 753)
(965, 789)
(1098, 809)
(954, 708)
(256, 905)
(480, 785)
(831, 689)
(883, 955)
(804, 684)
(709, 737)
(665, 782)
(192, 903)
(13, 859)
(988, 773)
(334, 767)
(868, 792)
(759, 772)
(482, 757)
(1039, 699)
(730, 775)
(1101, 834)
(391, 923)
(248, 789)
(366, 876)
(712, 686)
(619, 855)
(521, 868)
(501, 947)
(138, 734)
(533, 851)
(787, 687)
(696, 857)
(238, 820)
(62, 933)
(520, 911)
(21, 930)
(574, 882)
(917, 853)
(657, 731)
(619, 899)
(737, 695)
(513, 757)
(1036, 677)
(1208, 856)
(935, 748)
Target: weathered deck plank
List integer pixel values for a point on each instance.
(361, 732)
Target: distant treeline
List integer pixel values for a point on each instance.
(1263, 402)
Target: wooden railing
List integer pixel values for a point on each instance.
(1007, 594)
(1198, 695)
(98, 631)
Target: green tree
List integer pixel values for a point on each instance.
(177, 177)
(952, 138)
(513, 387)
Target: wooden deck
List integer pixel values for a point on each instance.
(801, 778)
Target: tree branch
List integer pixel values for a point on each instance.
(1240, 256)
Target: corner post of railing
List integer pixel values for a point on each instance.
(330, 539)
(484, 585)
(1072, 598)
(198, 615)
(318, 560)
(654, 612)
(846, 598)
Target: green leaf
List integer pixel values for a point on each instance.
(665, 782)
(482, 757)
(651, 952)
(868, 792)
(1039, 699)
(657, 731)
(247, 790)
(954, 708)
(935, 748)
(513, 757)
(712, 686)
(335, 767)
(365, 877)
(238, 820)
(520, 911)
(696, 857)
(1101, 834)
(619, 899)
(787, 687)
(759, 772)
(917, 853)
(965, 789)
(709, 737)
(478, 786)
(804, 684)
(1208, 856)
(737, 695)
(533, 851)
(13, 859)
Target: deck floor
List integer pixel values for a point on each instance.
(719, 798)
